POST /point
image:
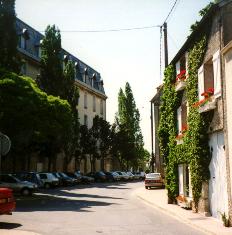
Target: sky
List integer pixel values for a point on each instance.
(125, 56)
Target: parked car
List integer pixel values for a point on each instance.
(74, 176)
(32, 177)
(84, 178)
(112, 176)
(131, 176)
(49, 180)
(123, 175)
(7, 201)
(139, 175)
(66, 180)
(24, 187)
(153, 180)
(99, 176)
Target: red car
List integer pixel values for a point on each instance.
(7, 201)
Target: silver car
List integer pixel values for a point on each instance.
(49, 180)
(24, 187)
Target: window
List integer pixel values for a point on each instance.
(181, 64)
(209, 77)
(101, 107)
(85, 101)
(23, 42)
(24, 36)
(182, 119)
(94, 103)
(86, 120)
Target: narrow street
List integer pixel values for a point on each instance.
(94, 209)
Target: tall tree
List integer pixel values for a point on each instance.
(58, 78)
(9, 58)
(51, 77)
(128, 119)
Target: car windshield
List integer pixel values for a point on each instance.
(153, 175)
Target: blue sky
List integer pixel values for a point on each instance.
(131, 56)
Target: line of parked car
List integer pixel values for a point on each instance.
(25, 183)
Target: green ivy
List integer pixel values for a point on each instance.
(194, 150)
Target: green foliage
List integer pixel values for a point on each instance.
(130, 139)
(202, 13)
(194, 151)
(58, 78)
(51, 77)
(101, 131)
(29, 116)
(9, 58)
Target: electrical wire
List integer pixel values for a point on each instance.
(108, 30)
(171, 11)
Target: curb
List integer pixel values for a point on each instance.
(16, 232)
(175, 215)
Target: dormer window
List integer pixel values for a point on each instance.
(65, 60)
(86, 76)
(24, 36)
(38, 49)
(93, 79)
(76, 70)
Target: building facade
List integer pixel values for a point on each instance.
(214, 90)
(92, 97)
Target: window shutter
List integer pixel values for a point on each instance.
(178, 67)
(181, 179)
(200, 81)
(217, 74)
(179, 119)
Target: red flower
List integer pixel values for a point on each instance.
(181, 76)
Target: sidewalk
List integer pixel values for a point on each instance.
(158, 199)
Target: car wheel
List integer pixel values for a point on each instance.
(26, 192)
(47, 186)
(146, 187)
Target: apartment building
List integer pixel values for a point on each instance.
(92, 97)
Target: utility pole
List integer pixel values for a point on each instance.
(152, 149)
(165, 44)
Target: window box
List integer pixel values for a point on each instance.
(180, 85)
(209, 104)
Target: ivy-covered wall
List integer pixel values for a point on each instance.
(194, 151)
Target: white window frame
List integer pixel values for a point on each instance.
(217, 74)
(201, 81)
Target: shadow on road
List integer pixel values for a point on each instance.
(4, 225)
(69, 199)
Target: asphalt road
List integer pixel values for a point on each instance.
(97, 209)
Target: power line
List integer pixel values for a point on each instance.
(170, 11)
(108, 30)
